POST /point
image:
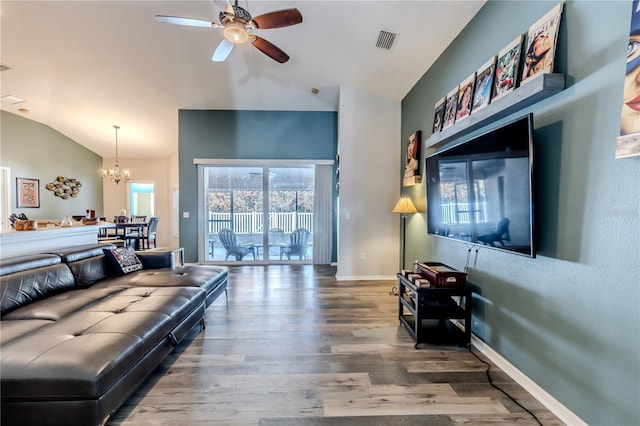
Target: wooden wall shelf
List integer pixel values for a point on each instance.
(532, 91)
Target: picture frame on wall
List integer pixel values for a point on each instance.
(412, 174)
(628, 141)
(439, 115)
(27, 193)
(507, 67)
(450, 108)
(542, 37)
(465, 97)
(484, 84)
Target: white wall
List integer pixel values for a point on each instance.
(34, 150)
(368, 142)
(158, 171)
(173, 186)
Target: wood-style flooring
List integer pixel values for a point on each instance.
(293, 346)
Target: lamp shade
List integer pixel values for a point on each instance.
(405, 205)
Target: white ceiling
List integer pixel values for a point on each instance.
(83, 66)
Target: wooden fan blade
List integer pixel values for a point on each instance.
(225, 6)
(270, 49)
(222, 51)
(278, 19)
(189, 22)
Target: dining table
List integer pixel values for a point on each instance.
(121, 230)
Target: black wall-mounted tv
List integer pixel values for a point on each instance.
(480, 191)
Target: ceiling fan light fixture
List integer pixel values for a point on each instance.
(236, 33)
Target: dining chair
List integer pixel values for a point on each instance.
(150, 233)
(143, 236)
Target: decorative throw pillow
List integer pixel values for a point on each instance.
(123, 260)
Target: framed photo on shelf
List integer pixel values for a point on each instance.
(484, 84)
(542, 38)
(507, 66)
(465, 97)
(439, 115)
(450, 108)
(27, 193)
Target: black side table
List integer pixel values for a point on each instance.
(435, 314)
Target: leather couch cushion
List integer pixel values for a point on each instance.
(206, 277)
(12, 265)
(59, 306)
(84, 354)
(82, 252)
(87, 262)
(11, 329)
(21, 288)
(89, 270)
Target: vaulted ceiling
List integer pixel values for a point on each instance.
(82, 66)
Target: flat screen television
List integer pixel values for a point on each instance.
(480, 191)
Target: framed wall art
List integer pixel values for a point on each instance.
(450, 108)
(27, 193)
(412, 174)
(541, 44)
(439, 115)
(465, 97)
(628, 141)
(507, 66)
(484, 84)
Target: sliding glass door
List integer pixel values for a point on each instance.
(257, 213)
(290, 214)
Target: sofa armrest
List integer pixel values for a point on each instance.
(161, 258)
(156, 259)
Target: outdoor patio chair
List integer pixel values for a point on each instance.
(228, 240)
(298, 245)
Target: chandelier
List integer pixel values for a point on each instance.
(116, 174)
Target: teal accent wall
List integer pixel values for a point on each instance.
(34, 150)
(226, 134)
(568, 319)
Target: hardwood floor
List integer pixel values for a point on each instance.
(293, 346)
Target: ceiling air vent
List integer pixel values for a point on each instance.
(386, 39)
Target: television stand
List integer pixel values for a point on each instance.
(439, 315)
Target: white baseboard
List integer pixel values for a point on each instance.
(552, 404)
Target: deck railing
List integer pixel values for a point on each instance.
(252, 223)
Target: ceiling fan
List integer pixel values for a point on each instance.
(238, 26)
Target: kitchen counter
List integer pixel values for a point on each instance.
(16, 243)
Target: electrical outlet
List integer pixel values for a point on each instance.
(362, 256)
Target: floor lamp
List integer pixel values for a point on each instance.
(403, 207)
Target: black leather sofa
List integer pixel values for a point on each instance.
(76, 339)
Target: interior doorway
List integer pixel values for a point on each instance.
(142, 199)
